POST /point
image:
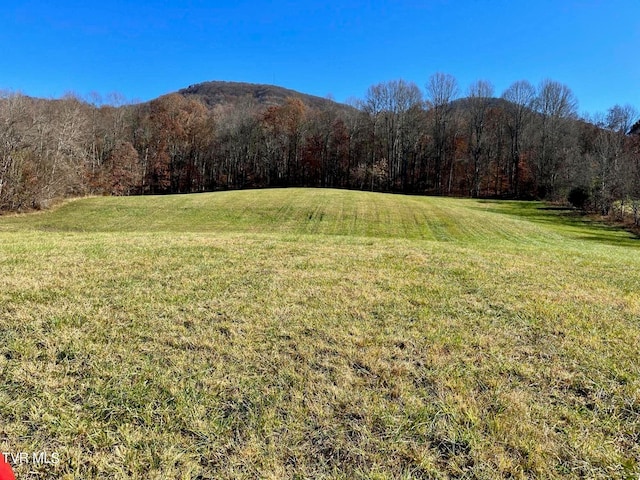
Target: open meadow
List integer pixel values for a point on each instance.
(307, 333)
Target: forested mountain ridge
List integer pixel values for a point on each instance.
(216, 93)
(527, 143)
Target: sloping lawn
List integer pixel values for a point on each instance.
(305, 333)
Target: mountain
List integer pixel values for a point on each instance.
(219, 93)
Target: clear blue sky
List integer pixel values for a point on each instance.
(145, 49)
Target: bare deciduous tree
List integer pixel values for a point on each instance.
(442, 89)
(521, 96)
(555, 104)
(479, 98)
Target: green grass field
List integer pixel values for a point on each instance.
(300, 333)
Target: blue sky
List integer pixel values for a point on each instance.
(145, 49)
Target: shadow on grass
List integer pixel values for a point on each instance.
(571, 223)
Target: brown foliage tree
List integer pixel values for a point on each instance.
(123, 170)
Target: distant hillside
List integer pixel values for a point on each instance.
(218, 93)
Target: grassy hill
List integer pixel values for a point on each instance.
(305, 333)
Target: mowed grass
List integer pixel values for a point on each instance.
(302, 333)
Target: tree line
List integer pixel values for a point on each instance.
(528, 142)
